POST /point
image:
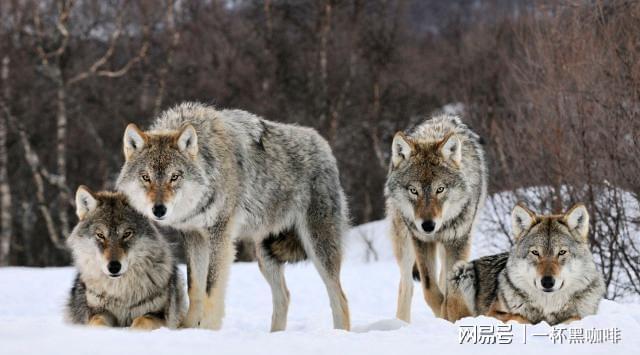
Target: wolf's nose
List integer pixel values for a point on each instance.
(547, 282)
(159, 210)
(428, 226)
(114, 267)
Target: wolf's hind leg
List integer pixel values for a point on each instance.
(273, 272)
(426, 260)
(322, 244)
(406, 258)
(197, 255)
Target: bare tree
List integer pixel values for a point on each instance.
(53, 67)
(6, 216)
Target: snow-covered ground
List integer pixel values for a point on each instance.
(32, 300)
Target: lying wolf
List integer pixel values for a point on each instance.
(217, 175)
(549, 275)
(435, 188)
(126, 273)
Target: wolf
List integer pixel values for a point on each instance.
(549, 274)
(217, 175)
(436, 186)
(126, 275)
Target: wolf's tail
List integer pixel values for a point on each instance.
(285, 247)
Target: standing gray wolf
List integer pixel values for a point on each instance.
(435, 188)
(126, 273)
(549, 275)
(217, 175)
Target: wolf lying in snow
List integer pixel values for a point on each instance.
(549, 275)
(126, 273)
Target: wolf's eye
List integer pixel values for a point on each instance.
(175, 177)
(440, 190)
(127, 234)
(562, 252)
(413, 190)
(100, 236)
(535, 252)
(145, 178)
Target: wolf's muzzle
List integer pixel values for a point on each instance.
(428, 226)
(547, 283)
(114, 267)
(159, 210)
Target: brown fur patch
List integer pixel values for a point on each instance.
(160, 194)
(548, 266)
(152, 191)
(429, 153)
(112, 251)
(430, 210)
(455, 308)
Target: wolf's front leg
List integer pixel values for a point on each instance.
(453, 253)
(197, 253)
(406, 257)
(221, 255)
(461, 291)
(147, 322)
(426, 261)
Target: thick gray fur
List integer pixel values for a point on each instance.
(250, 178)
(151, 285)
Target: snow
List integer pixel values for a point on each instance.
(32, 301)
(31, 311)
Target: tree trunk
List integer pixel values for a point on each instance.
(6, 230)
(27, 222)
(61, 158)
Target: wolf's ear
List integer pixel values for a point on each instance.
(85, 201)
(134, 139)
(577, 218)
(451, 148)
(188, 140)
(401, 148)
(521, 219)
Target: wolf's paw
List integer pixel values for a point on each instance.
(146, 323)
(210, 323)
(192, 319)
(461, 273)
(99, 320)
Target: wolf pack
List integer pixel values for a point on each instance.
(217, 176)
